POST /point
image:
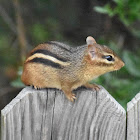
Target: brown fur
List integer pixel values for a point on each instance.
(82, 68)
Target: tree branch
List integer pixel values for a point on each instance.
(20, 29)
(8, 20)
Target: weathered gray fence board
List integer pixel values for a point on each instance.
(48, 115)
(133, 118)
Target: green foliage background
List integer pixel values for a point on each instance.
(126, 83)
(123, 84)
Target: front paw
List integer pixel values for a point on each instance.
(71, 97)
(92, 86)
(96, 87)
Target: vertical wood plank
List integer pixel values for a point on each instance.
(47, 115)
(133, 118)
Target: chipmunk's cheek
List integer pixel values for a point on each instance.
(116, 68)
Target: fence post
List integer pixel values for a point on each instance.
(133, 118)
(48, 115)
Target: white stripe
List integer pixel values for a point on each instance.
(40, 55)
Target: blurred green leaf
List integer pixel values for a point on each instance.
(101, 10)
(39, 32)
(118, 1)
(49, 30)
(132, 63)
(135, 87)
(7, 53)
(105, 10)
(126, 10)
(135, 32)
(17, 83)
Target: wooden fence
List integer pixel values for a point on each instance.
(48, 115)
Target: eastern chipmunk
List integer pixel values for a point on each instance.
(57, 65)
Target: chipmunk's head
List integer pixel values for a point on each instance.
(103, 57)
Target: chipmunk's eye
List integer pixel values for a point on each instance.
(109, 58)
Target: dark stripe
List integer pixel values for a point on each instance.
(56, 44)
(46, 62)
(104, 64)
(46, 52)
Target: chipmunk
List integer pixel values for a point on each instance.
(57, 65)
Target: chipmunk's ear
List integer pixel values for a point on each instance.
(91, 47)
(92, 51)
(90, 40)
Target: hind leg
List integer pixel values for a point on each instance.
(36, 87)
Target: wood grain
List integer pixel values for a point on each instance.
(133, 118)
(48, 115)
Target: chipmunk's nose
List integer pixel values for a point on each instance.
(122, 64)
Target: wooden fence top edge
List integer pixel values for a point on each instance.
(9, 106)
(28, 90)
(113, 100)
(134, 101)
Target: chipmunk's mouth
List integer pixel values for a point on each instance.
(119, 65)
